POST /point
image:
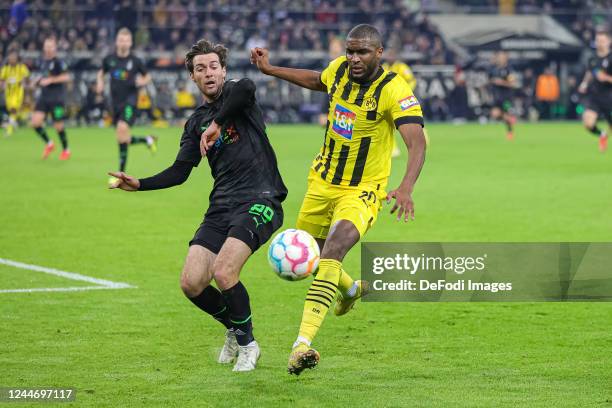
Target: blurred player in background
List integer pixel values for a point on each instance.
(348, 177)
(394, 64)
(127, 73)
(503, 83)
(51, 100)
(597, 87)
(245, 203)
(12, 78)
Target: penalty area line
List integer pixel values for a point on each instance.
(102, 283)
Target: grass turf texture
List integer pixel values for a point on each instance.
(150, 346)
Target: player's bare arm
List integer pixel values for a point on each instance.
(55, 79)
(143, 80)
(305, 78)
(582, 88)
(414, 138)
(100, 81)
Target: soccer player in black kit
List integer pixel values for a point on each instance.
(51, 99)
(127, 73)
(245, 202)
(597, 85)
(502, 87)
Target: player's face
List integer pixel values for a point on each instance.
(602, 42)
(49, 48)
(208, 74)
(12, 58)
(363, 59)
(123, 43)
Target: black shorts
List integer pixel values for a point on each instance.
(51, 107)
(602, 104)
(125, 112)
(252, 222)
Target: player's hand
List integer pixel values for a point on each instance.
(124, 182)
(141, 81)
(601, 75)
(403, 204)
(260, 57)
(582, 88)
(209, 137)
(44, 81)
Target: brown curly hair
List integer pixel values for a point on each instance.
(205, 47)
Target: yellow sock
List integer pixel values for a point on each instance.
(345, 283)
(320, 296)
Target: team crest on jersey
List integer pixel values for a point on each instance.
(344, 120)
(370, 104)
(408, 102)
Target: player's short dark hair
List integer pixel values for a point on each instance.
(366, 32)
(205, 47)
(603, 30)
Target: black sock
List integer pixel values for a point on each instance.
(138, 139)
(43, 135)
(595, 130)
(211, 301)
(123, 153)
(237, 301)
(63, 139)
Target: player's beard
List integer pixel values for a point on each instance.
(368, 72)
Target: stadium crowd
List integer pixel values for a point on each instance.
(164, 29)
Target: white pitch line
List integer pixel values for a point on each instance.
(68, 275)
(69, 289)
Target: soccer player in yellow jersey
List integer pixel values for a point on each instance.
(348, 177)
(402, 69)
(12, 76)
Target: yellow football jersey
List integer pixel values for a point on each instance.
(13, 75)
(360, 125)
(403, 70)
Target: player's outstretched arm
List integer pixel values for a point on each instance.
(413, 136)
(305, 78)
(174, 175)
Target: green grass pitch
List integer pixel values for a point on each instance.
(150, 347)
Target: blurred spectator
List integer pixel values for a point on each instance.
(19, 14)
(185, 101)
(547, 92)
(163, 101)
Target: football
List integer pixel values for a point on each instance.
(293, 254)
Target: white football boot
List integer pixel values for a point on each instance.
(247, 357)
(230, 349)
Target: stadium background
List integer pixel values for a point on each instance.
(148, 346)
(449, 60)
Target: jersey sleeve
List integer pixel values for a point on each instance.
(401, 104)
(329, 73)
(3, 72)
(105, 65)
(59, 68)
(140, 67)
(190, 144)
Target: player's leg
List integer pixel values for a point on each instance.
(195, 283)
(589, 120)
(58, 123)
(347, 287)
(37, 122)
(250, 227)
(128, 117)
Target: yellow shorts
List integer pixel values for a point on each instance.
(325, 204)
(14, 102)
